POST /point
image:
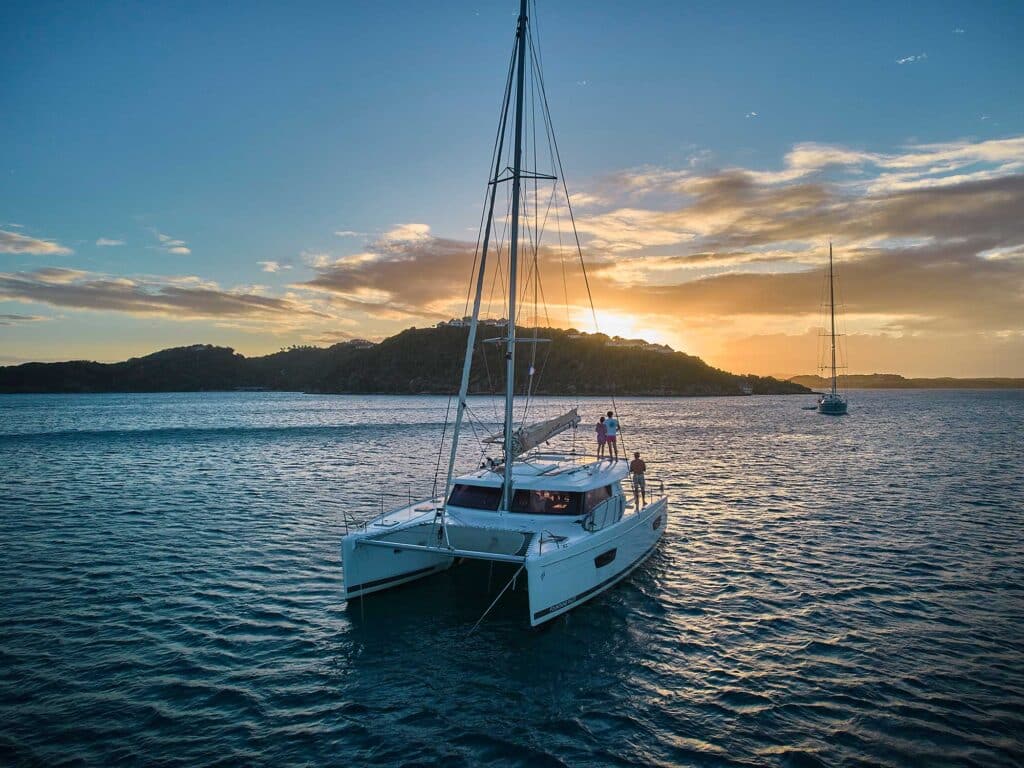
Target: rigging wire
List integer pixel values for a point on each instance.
(499, 272)
(572, 218)
(536, 234)
(535, 218)
(476, 259)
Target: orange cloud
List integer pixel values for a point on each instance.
(938, 251)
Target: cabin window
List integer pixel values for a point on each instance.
(597, 496)
(546, 503)
(475, 497)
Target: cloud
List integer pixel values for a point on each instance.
(172, 245)
(937, 287)
(751, 114)
(15, 242)
(181, 298)
(407, 233)
(105, 242)
(810, 156)
(958, 30)
(398, 276)
(58, 274)
(15, 319)
(955, 154)
(330, 338)
(586, 199)
(732, 210)
(929, 238)
(630, 229)
(273, 266)
(349, 233)
(912, 59)
(909, 167)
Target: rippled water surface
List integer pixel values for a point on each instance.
(829, 591)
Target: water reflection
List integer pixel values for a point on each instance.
(822, 594)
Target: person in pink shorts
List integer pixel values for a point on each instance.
(611, 427)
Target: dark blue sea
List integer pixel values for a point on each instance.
(830, 591)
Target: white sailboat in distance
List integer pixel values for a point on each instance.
(564, 520)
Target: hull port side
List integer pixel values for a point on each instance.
(372, 569)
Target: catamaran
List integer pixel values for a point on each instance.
(574, 524)
(832, 403)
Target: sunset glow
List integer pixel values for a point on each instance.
(303, 196)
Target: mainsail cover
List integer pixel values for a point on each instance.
(529, 436)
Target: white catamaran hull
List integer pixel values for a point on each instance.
(565, 564)
(388, 553)
(372, 569)
(563, 579)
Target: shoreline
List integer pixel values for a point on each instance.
(593, 396)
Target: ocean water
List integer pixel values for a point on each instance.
(830, 591)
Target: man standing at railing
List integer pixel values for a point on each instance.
(637, 467)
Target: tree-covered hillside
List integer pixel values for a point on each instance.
(418, 360)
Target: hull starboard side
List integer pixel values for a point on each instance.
(567, 578)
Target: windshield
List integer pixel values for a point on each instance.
(475, 497)
(597, 496)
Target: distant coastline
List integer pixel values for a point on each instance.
(895, 381)
(415, 361)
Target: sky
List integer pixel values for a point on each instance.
(266, 174)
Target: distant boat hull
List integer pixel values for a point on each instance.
(832, 406)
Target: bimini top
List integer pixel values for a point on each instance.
(551, 475)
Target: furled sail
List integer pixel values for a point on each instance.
(529, 436)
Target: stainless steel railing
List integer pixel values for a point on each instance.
(388, 503)
(655, 487)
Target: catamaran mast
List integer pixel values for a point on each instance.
(510, 348)
(832, 309)
(467, 363)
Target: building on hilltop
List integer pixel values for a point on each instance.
(621, 343)
(464, 322)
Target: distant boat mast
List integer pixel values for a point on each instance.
(832, 309)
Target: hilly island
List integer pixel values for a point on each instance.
(895, 381)
(415, 361)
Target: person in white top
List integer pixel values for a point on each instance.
(611, 425)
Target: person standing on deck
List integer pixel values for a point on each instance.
(611, 424)
(602, 437)
(638, 467)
